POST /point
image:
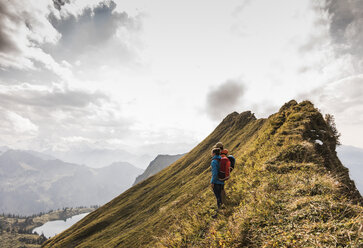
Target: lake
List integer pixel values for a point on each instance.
(52, 228)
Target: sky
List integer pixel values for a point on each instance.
(153, 77)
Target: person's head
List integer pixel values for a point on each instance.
(219, 145)
(224, 152)
(216, 151)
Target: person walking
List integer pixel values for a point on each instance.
(227, 162)
(216, 184)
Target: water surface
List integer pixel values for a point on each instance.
(52, 228)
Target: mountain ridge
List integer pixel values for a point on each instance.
(160, 162)
(98, 158)
(287, 189)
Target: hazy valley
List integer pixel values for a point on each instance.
(30, 184)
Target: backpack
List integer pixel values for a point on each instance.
(232, 160)
(224, 169)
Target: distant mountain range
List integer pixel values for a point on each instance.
(32, 182)
(97, 158)
(352, 158)
(92, 157)
(159, 163)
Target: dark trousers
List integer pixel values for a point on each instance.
(217, 189)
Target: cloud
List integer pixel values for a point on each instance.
(14, 126)
(45, 36)
(23, 27)
(96, 36)
(53, 97)
(333, 50)
(240, 8)
(346, 25)
(16, 129)
(342, 98)
(224, 99)
(315, 42)
(339, 28)
(59, 3)
(20, 124)
(50, 114)
(48, 50)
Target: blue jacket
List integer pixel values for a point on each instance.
(215, 170)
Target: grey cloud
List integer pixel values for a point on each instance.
(54, 99)
(92, 27)
(59, 3)
(346, 24)
(314, 42)
(303, 69)
(93, 33)
(23, 28)
(53, 114)
(222, 100)
(240, 8)
(7, 44)
(51, 117)
(55, 106)
(338, 34)
(34, 36)
(13, 76)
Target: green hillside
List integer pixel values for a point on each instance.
(287, 191)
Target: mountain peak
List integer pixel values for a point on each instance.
(159, 163)
(289, 104)
(237, 119)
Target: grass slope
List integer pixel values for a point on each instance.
(286, 191)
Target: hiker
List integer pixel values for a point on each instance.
(227, 163)
(216, 184)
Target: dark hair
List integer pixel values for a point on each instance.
(216, 151)
(219, 145)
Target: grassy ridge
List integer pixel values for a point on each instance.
(287, 190)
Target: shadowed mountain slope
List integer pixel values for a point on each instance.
(159, 163)
(288, 190)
